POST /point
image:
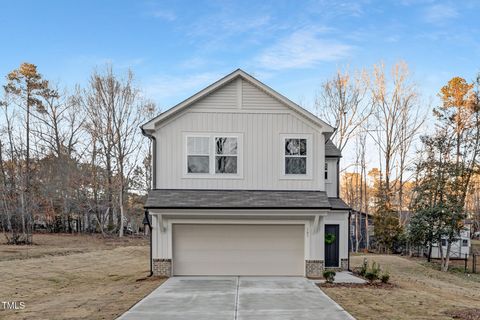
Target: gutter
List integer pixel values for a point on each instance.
(153, 186)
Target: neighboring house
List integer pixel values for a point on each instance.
(361, 219)
(245, 182)
(460, 249)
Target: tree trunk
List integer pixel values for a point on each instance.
(120, 233)
(446, 262)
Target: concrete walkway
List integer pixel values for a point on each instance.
(237, 298)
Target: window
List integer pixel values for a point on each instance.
(226, 155)
(444, 242)
(295, 156)
(464, 243)
(326, 171)
(213, 155)
(198, 155)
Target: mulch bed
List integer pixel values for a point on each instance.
(375, 285)
(464, 314)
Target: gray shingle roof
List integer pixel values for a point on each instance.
(331, 150)
(241, 199)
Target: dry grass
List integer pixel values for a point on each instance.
(74, 277)
(421, 292)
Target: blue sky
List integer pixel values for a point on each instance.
(176, 48)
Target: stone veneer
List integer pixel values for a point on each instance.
(314, 268)
(344, 264)
(162, 267)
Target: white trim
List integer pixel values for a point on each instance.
(212, 154)
(243, 212)
(150, 125)
(331, 171)
(239, 94)
(310, 156)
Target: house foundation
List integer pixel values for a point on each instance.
(314, 268)
(162, 267)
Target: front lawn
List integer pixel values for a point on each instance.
(420, 292)
(74, 277)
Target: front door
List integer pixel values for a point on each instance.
(332, 245)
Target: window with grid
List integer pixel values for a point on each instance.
(295, 156)
(198, 155)
(226, 155)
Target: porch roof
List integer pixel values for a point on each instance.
(241, 199)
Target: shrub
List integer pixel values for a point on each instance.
(371, 276)
(375, 269)
(329, 275)
(385, 277)
(364, 267)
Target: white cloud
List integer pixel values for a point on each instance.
(302, 49)
(164, 15)
(440, 13)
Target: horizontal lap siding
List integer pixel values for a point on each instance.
(255, 98)
(224, 98)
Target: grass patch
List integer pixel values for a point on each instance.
(419, 292)
(75, 277)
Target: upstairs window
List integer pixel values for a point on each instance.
(198, 154)
(213, 155)
(326, 171)
(226, 149)
(296, 156)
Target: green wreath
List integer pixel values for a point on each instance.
(329, 238)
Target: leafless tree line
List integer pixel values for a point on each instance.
(72, 162)
(380, 113)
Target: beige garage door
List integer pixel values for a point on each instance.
(212, 249)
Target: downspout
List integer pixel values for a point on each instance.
(154, 158)
(338, 178)
(349, 239)
(150, 234)
(153, 186)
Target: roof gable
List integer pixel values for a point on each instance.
(227, 80)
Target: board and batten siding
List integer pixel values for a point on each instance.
(239, 108)
(331, 183)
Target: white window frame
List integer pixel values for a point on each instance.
(310, 153)
(331, 171)
(212, 155)
(187, 154)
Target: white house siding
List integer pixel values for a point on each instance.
(314, 247)
(241, 108)
(332, 182)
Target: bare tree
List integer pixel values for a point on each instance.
(343, 103)
(396, 108)
(118, 105)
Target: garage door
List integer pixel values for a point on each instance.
(203, 249)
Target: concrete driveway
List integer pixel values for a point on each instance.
(237, 298)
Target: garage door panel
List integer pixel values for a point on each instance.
(238, 249)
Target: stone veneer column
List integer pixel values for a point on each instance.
(162, 267)
(344, 264)
(314, 268)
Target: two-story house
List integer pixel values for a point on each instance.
(245, 182)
